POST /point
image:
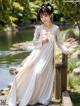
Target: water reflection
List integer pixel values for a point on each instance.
(5, 77)
(6, 41)
(11, 58)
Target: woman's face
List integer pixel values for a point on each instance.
(45, 18)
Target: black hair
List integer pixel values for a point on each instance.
(45, 8)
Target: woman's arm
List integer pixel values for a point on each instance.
(60, 41)
(36, 40)
(36, 33)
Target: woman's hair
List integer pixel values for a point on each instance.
(45, 8)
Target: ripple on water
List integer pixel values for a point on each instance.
(7, 53)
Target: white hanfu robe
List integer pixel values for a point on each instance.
(34, 81)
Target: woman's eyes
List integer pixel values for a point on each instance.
(44, 16)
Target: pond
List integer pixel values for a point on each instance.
(10, 58)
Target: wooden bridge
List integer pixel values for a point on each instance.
(60, 85)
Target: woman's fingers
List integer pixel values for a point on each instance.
(44, 40)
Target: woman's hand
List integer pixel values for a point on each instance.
(69, 52)
(44, 40)
(40, 42)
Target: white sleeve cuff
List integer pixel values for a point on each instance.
(64, 49)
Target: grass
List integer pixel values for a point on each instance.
(72, 64)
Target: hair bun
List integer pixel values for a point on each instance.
(48, 6)
(45, 8)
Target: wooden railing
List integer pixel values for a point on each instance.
(61, 77)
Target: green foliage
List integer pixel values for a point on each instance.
(72, 64)
(75, 97)
(7, 10)
(70, 10)
(17, 5)
(26, 10)
(13, 19)
(73, 81)
(70, 82)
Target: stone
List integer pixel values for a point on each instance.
(79, 55)
(76, 54)
(70, 34)
(78, 63)
(66, 100)
(76, 71)
(13, 71)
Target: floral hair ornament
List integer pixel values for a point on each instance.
(43, 6)
(49, 7)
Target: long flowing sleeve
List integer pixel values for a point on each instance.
(59, 41)
(36, 42)
(36, 33)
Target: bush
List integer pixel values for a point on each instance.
(72, 64)
(73, 81)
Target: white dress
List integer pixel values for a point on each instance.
(34, 81)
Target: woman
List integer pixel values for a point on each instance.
(34, 82)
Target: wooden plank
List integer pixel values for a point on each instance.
(58, 82)
(61, 77)
(64, 72)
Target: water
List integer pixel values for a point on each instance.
(10, 58)
(5, 77)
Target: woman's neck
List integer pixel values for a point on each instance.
(49, 25)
